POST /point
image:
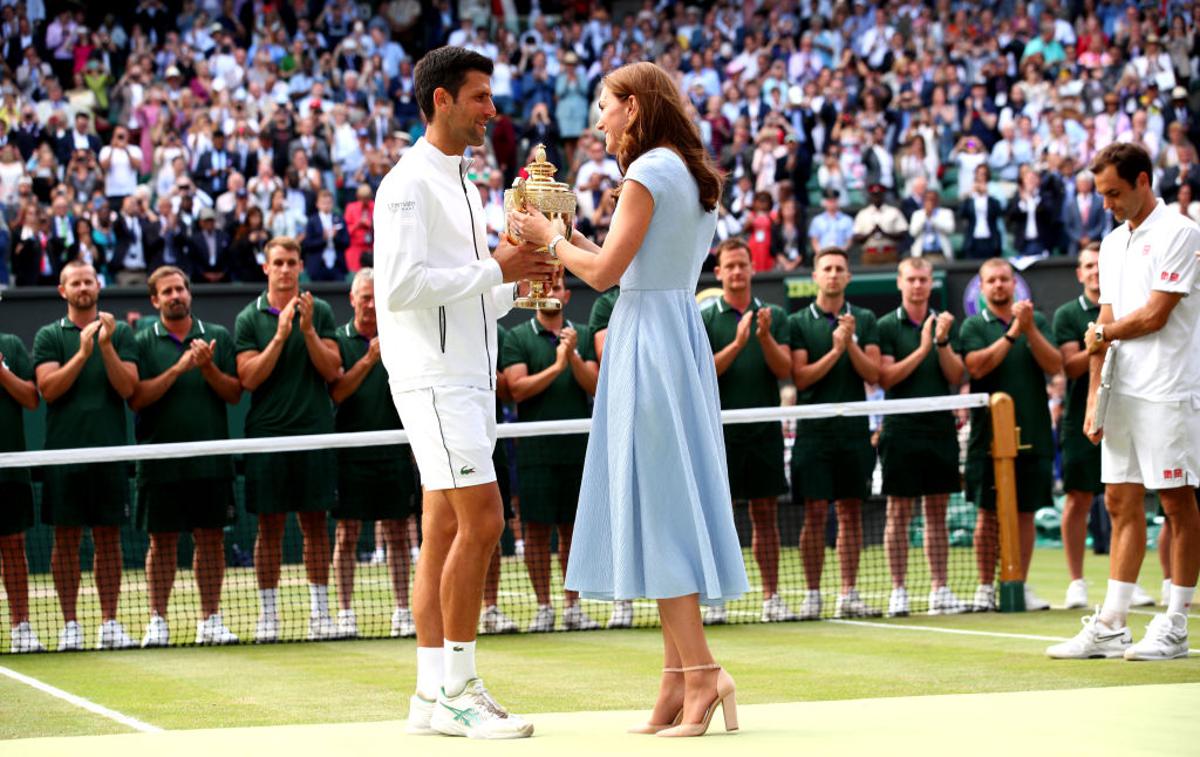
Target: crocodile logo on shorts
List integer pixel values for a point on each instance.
(465, 471)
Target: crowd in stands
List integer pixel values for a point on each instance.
(187, 133)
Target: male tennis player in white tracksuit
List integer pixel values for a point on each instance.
(440, 295)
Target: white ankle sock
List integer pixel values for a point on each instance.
(1181, 599)
(429, 672)
(1116, 603)
(266, 602)
(318, 599)
(458, 665)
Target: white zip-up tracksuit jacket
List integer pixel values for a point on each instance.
(438, 292)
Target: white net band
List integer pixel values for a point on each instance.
(81, 455)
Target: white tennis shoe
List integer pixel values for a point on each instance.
(1094, 641)
(420, 711)
(715, 615)
(1076, 595)
(1166, 639)
(157, 633)
(24, 639)
(622, 614)
(475, 714)
(898, 603)
(402, 623)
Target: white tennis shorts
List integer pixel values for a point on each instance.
(452, 431)
(1150, 443)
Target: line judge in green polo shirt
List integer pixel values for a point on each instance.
(375, 483)
(1008, 348)
(919, 451)
(551, 371)
(186, 379)
(835, 349)
(16, 491)
(286, 356)
(751, 349)
(85, 371)
(1081, 458)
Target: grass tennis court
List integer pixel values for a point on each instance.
(369, 681)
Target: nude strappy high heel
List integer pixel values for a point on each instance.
(725, 698)
(652, 728)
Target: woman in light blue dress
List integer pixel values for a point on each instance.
(655, 518)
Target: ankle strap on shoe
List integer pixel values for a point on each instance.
(672, 670)
(709, 666)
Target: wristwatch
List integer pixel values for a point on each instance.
(553, 243)
(1099, 331)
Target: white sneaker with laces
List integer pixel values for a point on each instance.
(112, 636)
(715, 615)
(1076, 595)
(1141, 597)
(321, 628)
(24, 639)
(157, 633)
(70, 638)
(1166, 592)
(543, 621)
(267, 629)
(420, 711)
(347, 624)
(575, 619)
(943, 602)
(810, 608)
(494, 621)
(775, 610)
(985, 598)
(212, 631)
(1096, 640)
(1166, 639)
(474, 714)
(402, 623)
(1033, 601)
(850, 605)
(898, 603)
(622, 614)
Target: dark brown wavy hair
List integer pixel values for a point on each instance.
(661, 121)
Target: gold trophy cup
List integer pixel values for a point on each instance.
(553, 199)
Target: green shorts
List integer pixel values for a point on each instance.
(549, 493)
(16, 508)
(755, 463)
(1081, 463)
(832, 468)
(180, 506)
(92, 494)
(915, 465)
(1035, 482)
(375, 490)
(290, 482)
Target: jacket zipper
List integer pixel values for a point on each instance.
(491, 366)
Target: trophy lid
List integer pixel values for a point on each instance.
(541, 173)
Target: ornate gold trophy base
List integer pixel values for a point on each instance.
(556, 201)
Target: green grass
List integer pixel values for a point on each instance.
(370, 680)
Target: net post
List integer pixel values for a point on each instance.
(1004, 455)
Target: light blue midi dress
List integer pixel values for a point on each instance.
(655, 518)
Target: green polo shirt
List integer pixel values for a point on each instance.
(900, 337)
(370, 408)
(90, 413)
(536, 347)
(602, 310)
(12, 414)
(1070, 323)
(294, 399)
(190, 411)
(1020, 376)
(811, 329)
(748, 381)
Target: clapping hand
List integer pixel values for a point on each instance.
(202, 352)
(742, 335)
(87, 338)
(763, 326)
(942, 330)
(305, 304)
(108, 326)
(1023, 314)
(284, 328)
(927, 332)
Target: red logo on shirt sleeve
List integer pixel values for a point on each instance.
(1178, 473)
(1174, 277)
(1164, 276)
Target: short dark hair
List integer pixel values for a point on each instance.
(161, 273)
(831, 250)
(732, 243)
(446, 68)
(1129, 159)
